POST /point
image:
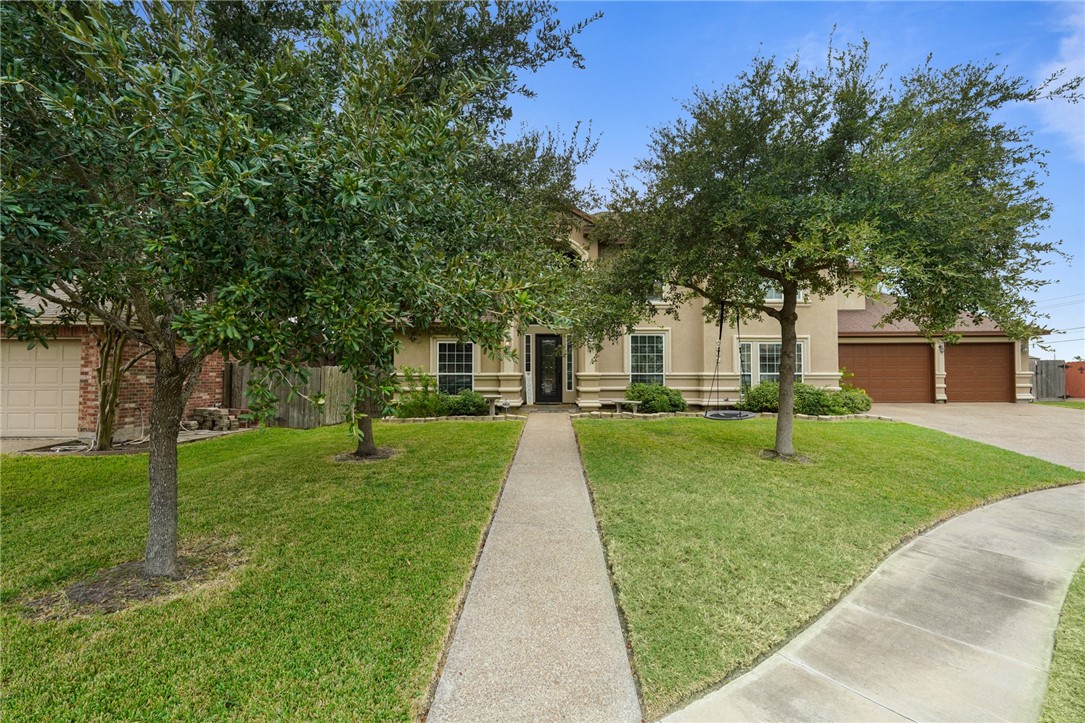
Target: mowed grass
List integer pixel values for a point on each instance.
(1068, 404)
(1065, 701)
(719, 556)
(353, 574)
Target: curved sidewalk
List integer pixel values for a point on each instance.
(539, 637)
(956, 625)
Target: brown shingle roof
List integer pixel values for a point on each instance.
(864, 322)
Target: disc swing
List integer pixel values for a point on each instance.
(726, 414)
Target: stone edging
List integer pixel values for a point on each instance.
(464, 418)
(769, 415)
(622, 415)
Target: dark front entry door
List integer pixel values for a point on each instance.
(548, 365)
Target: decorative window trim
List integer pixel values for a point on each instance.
(438, 343)
(569, 352)
(663, 335)
(754, 359)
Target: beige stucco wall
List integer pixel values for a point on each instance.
(689, 357)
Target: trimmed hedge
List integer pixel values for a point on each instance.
(656, 398)
(814, 401)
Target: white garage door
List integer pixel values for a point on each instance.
(39, 389)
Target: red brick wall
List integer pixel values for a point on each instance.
(137, 387)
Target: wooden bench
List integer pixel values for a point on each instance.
(617, 404)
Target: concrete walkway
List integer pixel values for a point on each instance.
(957, 625)
(539, 637)
(1056, 434)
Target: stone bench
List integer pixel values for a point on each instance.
(618, 403)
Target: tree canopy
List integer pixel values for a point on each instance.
(813, 181)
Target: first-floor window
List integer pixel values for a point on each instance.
(760, 362)
(646, 358)
(527, 352)
(455, 370)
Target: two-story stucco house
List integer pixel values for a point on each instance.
(894, 364)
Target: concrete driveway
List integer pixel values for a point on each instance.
(12, 445)
(1056, 434)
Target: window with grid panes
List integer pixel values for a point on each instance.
(646, 358)
(455, 370)
(768, 362)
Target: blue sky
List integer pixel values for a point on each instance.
(644, 58)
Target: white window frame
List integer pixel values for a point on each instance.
(527, 353)
(661, 299)
(755, 373)
(437, 361)
(776, 296)
(663, 352)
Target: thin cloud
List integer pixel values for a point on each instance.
(1059, 116)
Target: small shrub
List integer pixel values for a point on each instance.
(854, 400)
(468, 403)
(419, 396)
(765, 397)
(655, 398)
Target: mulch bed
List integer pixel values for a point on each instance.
(203, 564)
(382, 454)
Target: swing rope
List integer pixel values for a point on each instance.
(728, 414)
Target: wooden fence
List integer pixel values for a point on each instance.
(298, 413)
(1049, 379)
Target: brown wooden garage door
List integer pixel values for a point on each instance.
(980, 373)
(891, 372)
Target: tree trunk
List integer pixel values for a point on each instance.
(785, 419)
(367, 445)
(173, 383)
(111, 343)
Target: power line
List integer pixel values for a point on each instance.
(1060, 298)
(1063, 341)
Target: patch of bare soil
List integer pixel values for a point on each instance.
(794, 458)
(204, 564)
(382, 454)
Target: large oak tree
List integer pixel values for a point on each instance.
(280, 202)
(814, 181)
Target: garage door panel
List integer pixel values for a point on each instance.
(47, 375)
(70, 375)
(20, 399)
(891, 372)
(47, 398)
(20, 375)
(980, 373)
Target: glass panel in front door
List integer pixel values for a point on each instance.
(548, 363)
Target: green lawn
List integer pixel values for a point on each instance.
(1065, 701)
(719, 556)
(353, 574)
(1069, 404)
